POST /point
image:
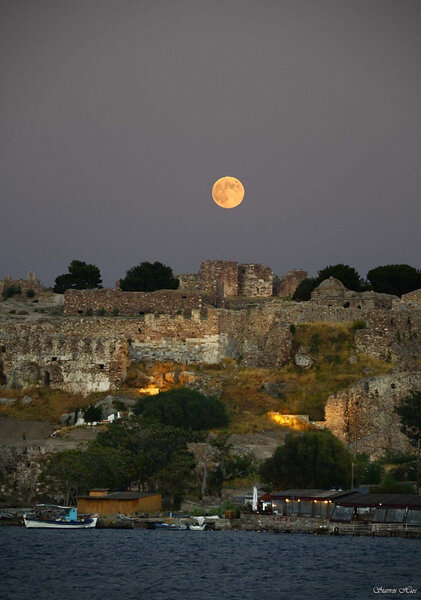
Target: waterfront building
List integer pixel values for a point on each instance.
(102, 502)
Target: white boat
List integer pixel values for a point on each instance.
(200, 524)
(51, 516)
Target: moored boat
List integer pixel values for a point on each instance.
(51, 516)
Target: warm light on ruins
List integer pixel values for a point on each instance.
(150, 390)
(290, 421)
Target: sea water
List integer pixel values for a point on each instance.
(185, 565)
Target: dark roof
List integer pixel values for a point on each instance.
(385, 500)
(122, 496)
(312, 494)
(99, 489)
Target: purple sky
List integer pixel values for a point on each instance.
(116, 117)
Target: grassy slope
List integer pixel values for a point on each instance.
(302, 391)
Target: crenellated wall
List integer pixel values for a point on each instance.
(88, 353)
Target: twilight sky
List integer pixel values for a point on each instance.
(117, 116)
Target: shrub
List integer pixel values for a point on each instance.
(358, 324)
(30, 293)
(12, 312)
(115, 312)
(89, 312)
(148, 277)
(92, 413)
(102, 312)
(22, 312)
(308, 460)
(292, 328)
(184, 408)
(10, 291)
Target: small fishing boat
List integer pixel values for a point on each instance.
(51, 516)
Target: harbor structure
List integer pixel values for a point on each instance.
(104, 503)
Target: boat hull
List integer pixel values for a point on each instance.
(58, 524)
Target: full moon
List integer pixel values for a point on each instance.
(228, 192)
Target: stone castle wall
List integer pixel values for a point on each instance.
(189, 281)
(228, 279)
(363, 416)
(31, 283)
(132, 303)
(54, 357)
(219, 278)
(286, 286)
(255, 280)
(412, 297)
(81, 353)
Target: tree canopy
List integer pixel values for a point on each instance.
(304, 289)
(184, 408)
(149, 454)
(81, 276)
(308, 460)
(395, 279)
(148, 277)
(409, 412)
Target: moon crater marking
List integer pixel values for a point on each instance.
(228, 192)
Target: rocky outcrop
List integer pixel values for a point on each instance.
(363, 416)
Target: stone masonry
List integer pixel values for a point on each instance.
(117, 302)
(363, 415)
(255, 280)
(286, 286)
(24, 285)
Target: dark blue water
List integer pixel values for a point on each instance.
(141, 564)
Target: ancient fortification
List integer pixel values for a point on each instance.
(226, 310)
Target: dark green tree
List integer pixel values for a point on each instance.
(409, 412)
(185, 408)
(303, 291)
(308, 460)
(64, 476)
(155, 453)
(81, 276)
(395, 279)
(106, 467)
(148, 277)
(348, 275)
(367, 471)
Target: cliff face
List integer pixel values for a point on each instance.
(363, 415)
